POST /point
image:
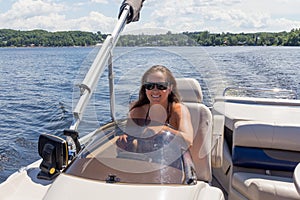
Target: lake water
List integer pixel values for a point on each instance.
(37, 84)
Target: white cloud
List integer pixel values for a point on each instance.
(173, 15)
(38, 14)
(93, 22)
(29, 8)
(25, 13)
(225, 15)
(100, 1)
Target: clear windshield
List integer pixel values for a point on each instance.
(146, 157)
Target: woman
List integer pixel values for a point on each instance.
(159, 102)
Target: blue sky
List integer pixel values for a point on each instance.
(215, 16)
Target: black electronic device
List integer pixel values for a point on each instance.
(54, 152)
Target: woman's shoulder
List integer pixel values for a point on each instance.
(139, 112)
(178, 105)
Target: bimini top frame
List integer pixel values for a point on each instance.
(92, 77)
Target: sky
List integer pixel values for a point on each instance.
(215, 16)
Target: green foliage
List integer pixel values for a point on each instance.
(168, 39)
(205, 38)
(9, 38)
(16, 38)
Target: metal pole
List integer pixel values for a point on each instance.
(92, 77)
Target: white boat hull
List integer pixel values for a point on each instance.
(24, 185)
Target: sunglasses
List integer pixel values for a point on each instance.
(159, 85)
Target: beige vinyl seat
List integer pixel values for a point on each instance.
(202, 122)
(264, 157)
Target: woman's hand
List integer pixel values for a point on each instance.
(123, 138)
(127, 143)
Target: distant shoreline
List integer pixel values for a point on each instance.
(41, 38)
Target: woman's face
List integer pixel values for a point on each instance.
(157, 95)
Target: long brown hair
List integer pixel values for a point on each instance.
(174, 94)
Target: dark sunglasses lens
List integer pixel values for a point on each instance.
(149, 86)
(161, 86)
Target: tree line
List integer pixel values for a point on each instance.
(42, 38)
(284, 38)
(205, 38)
(17, 38)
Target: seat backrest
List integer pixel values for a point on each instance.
(201, 117)
(266, 146)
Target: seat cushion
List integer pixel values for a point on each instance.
(265, 187)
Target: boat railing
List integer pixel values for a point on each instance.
(260, 93)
